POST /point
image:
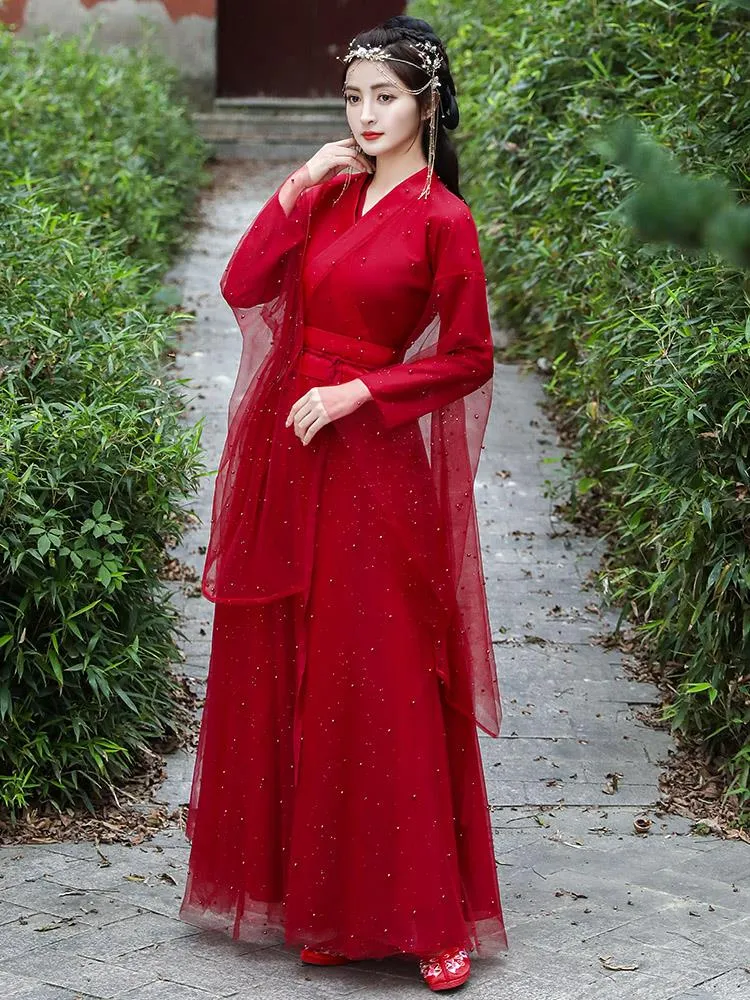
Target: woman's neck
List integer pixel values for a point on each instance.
(390, 171)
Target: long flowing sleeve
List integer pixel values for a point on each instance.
(444, 385)
(261, 283)
(256, 268)
(462, 357)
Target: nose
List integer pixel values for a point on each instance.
(367, 116)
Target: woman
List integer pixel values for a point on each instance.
(338, 798)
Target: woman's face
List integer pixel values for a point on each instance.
(374, 104)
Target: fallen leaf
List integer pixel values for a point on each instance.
(607, 962)
(56, 924)
(613, 777)
(104, 861)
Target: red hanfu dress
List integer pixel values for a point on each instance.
(338, 798)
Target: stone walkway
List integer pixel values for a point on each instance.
(594, 911)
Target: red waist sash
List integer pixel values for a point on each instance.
(324, 349)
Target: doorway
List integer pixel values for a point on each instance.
(288, 48)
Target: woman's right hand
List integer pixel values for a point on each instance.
(334, 157)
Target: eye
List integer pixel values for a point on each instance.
(389, 96)
(350, 98)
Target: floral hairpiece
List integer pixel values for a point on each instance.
(430, 61)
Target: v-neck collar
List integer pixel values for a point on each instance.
(364, 187)
(357, 229)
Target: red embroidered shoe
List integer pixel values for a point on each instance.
(447, 970)
(319, 956)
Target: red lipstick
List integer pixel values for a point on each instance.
(371, 135)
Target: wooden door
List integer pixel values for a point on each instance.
(287, 48)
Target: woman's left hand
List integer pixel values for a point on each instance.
(323, 404)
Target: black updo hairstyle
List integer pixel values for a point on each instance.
(395, 34)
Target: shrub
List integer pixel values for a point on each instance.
(650, 346)
(106, 132)
(94, 464)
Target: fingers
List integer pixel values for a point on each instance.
(292, 413)
(313, 429)
(297, 407)
(351, 159)
(308, 425)
(304, 420)
(297, 418)
(351, 150)
(334, 157)
(308, 415)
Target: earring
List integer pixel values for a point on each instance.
(431, 150)
(348, 170)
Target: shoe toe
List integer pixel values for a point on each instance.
(446, 970)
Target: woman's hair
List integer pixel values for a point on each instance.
(395, 34)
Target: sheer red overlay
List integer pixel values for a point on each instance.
(338, 796)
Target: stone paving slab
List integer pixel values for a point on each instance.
(728, 986)
(580, 888)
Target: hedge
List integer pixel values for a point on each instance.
(650, 347)
(100, 167)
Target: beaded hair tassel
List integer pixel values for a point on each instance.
(430, 61)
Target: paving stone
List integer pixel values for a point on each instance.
(492, 985)
(713, 891)
(154, 895)
(37, 931)
(740, 931)
(694, 929)
(13, 985)
(183, 961)
(124, 872)
(553, 970)
(161, 990)
(175, 791)
(282, 964)
(10, 913)
(628, 986)
(19, 864)
(40, 991)
(732, 985)
(659, 952)
(573, 793)
(57, 966)
(545, 857)
(177, 964)
(729, 859)
(140, 931)
(44, 895)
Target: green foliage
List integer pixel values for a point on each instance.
(107, 134)
(692, 213)
(651, 346)
(94, 463)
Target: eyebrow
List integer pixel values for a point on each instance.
(377, 86)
